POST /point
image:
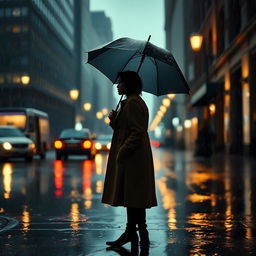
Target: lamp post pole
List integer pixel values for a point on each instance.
(205, 136)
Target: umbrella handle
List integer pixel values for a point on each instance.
(119, 103)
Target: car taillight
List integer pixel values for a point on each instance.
(58, 144)
(87, 144)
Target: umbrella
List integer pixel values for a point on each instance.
(157, 67)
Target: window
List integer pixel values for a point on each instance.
(16, 12)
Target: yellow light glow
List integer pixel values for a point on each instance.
(99, 115)
(171, 96)
(98, 164)
(166, 102)
(212, 109)
(160, 113)
(196, 41)
(245, 66)
(99, 186)
(163, 109)
(227, 81)
(106, 120)
(25, 79)
(7, 146)
(109, 145)
(98, 146)
(74, 94)
(7, 179)
(104, 111)
(87, 106)
(74, 213)
(25, 219)
(194, 120)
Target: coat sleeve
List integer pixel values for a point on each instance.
(137, 126)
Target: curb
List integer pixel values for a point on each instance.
(7, 223)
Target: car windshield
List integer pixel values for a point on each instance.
(71, 133)
(10, 132)
(104, 137)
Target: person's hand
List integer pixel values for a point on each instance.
(112, 115)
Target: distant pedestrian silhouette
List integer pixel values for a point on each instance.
(129, 180)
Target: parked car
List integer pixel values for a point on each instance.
(32, 122)
(75, 142)
(103, 143)
(14, 143)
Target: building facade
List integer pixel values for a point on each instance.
(95, 88)
(37, 58)
(222, 73)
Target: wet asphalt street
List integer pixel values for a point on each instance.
(206, 207)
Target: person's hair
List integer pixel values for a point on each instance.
(132, 80)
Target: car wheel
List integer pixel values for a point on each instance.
(29, 158)
(58, 156)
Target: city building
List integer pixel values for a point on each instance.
(37, 58)
(96, 91)
(220, 68)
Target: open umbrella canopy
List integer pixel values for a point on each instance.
(159, 71)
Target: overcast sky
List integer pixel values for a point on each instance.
(134, 18)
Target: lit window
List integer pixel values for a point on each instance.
(16, 79)
(16, 12)
(16, 29)
(1, 78)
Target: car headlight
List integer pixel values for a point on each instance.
(7, 146)
(109, 145)
(32, 145)
(98, 146)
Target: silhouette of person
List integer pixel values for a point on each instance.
(130, 180)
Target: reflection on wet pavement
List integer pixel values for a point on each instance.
(206, 207)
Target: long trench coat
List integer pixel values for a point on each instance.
(129, 179)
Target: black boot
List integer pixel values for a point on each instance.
(130, 235)
(144, 237)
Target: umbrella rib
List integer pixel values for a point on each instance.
(157, 85)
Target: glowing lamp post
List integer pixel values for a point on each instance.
(87, 106)
(25, 79)
(196, 41)
(166, 102)
(99, 115)
(74, 94)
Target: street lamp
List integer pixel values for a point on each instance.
(166, 102)
(99, 115)
(196, 41)
(25, 79)
(104, 111)
(74, 94)
(87, 106)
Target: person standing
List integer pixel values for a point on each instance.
(129, 180)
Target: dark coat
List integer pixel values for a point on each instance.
(130, 180)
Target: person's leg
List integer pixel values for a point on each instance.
(130, 234)
(142, 227)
